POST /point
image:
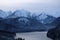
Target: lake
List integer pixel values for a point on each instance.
(33, 36)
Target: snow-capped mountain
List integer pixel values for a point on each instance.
(49, 19)
(4, 14)
(44, 18)
(27, 21)
(19, 13)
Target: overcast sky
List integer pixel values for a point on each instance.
(51, 7)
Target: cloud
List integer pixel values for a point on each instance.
(49, 6)
(27, 1)
(29, 4)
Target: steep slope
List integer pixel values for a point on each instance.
(56, 21)
(4, 14)
(46, 19)
(19, 13)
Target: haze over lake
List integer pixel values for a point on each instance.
(33, 36)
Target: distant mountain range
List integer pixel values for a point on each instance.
(25, 21)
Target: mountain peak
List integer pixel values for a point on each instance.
(19, 13)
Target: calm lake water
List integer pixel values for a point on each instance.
(33, 36)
